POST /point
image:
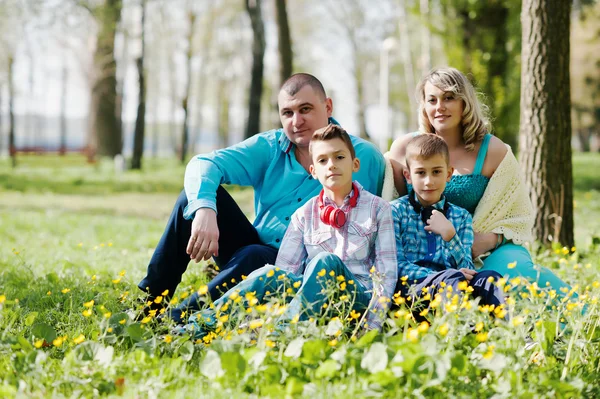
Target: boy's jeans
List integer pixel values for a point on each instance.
(308, 301)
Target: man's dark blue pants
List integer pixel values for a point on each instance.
(240, 252)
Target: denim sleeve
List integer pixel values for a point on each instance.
(245, 164)
(461, 244)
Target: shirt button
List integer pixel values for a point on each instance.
(309, 177)
(287, 218)
(277, 240)
(430, 254)
(299, 199)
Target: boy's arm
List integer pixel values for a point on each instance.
(292, 252)
(406, 268)
(244, 164)
(385, 267)
(460, 245)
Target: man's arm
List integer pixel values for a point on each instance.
(244, 164)
(292, 252)
(385, 267)
(372, 166)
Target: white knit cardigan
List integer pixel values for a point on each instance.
(504, 208)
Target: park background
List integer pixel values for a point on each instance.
(78, 227)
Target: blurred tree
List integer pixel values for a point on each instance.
(482, 38)
(11, 113)
(284, 41)
(259, 45)
(545, 131)
(106, 121)
(140, 121)
(185, 134)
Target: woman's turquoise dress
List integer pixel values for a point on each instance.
(466, 191)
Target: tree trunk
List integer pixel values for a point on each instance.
(258, 51)
(12, 150)
(223, 113)
(107, 122)
(285, 41)
(140, 121)
(545, 131)
(185, 133)
(63, 110)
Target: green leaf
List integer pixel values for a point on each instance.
(25, 345)
(383, 378)
(313, 351)
(459, 362)
(294, 387)
(30, 318)
(328, 369)
(375, 358)
(367, 339)
(234, 364)
(52, 278)
(135, 332)
(44, 331)
(186, 351)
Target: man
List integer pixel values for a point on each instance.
(206, 222)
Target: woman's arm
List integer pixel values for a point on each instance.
(484, 242)
(396, 155)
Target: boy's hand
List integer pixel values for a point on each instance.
(468, 273)
(438, 224)
(204, 241)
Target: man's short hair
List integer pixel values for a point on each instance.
(425, 146)
(296, 82)
(331, 132)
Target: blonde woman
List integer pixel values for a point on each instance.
(486, 179)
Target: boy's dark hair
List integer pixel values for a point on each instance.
(296, 82)
(331, 132)
(426, 146)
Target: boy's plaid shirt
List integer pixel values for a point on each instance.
(366, 240)
(420, 252)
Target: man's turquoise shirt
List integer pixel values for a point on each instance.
(267, 162)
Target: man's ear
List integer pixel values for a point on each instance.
(329, 106)
(450, 173)
(406, 174)
(355, 165)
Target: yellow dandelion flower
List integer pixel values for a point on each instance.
(107, 315)
(463, 285)
(254, 324)
(344, 298)
(325, 306)
(443, 329)
(122, 321)
(517, 321)
(244, 277)
(343, 286)
(58, 341)
(565, 251)
(109, 330)
(49, 293)
(80, 244)
(489, 353)
(89, 304)
(168, 339)
(87, 313)
(479, 326)
(424, 312)
(269, 343)
(351, 282)
(122, 273)
(321, 273)
(281, 277)
(295, 319)
(423, 327)
(203, 290)
(413, 334)
(146, 319)
(271, 273)
(79, 339)
(38, 344)
(65, 290)
(224, 318)
(116, 280)
(158, 299)
(297, 284)
(332, 273)
(333, 342)
(482, 337)
(512, 265)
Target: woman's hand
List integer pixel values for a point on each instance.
(483, 243)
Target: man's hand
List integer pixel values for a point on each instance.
(482, 243)
(204, 241)
(468, 273)
(438, 224)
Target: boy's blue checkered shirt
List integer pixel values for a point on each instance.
(420, 252)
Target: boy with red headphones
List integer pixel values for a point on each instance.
(343, 237)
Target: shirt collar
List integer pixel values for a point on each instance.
(286, 145)
(416, 205)
(327, 201)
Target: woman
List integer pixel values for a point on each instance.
(486, 178)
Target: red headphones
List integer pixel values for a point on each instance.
(334, 216)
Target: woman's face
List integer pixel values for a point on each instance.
(444, 110)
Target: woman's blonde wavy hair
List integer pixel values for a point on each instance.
(475, 123)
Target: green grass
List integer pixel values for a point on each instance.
(66, 225)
